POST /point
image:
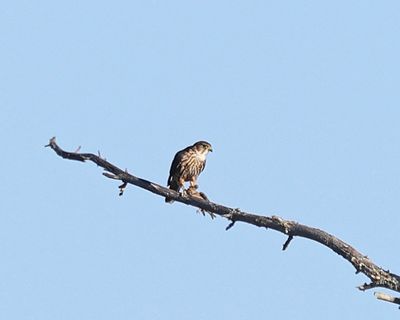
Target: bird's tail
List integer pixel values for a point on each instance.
(173, 186)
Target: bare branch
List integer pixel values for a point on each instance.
(230, 225)
(286, 244)
(378, 276)
(386, 297)
(122, 188)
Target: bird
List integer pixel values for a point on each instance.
(187, 166)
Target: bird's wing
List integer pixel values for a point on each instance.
(176, 165)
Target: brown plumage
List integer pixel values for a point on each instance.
(187, 165)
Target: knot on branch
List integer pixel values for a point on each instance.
(286, 225)
(232, 216)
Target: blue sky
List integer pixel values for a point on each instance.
(300, 100)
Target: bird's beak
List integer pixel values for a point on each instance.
(210, 150)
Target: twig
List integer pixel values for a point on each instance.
(286, 244)
(386, 297)
(122, 188)
(230, 225)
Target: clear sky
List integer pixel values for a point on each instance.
(300, 100)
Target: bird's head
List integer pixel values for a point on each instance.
(203, 147)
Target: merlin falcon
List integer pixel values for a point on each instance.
(187, 166)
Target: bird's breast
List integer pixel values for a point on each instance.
(200, 156)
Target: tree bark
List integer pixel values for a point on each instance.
(378, 276)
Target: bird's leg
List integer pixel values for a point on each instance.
(182, 185)
(193, 183)
(192, 190)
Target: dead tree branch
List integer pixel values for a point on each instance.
(378, 277)
(386, 297)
